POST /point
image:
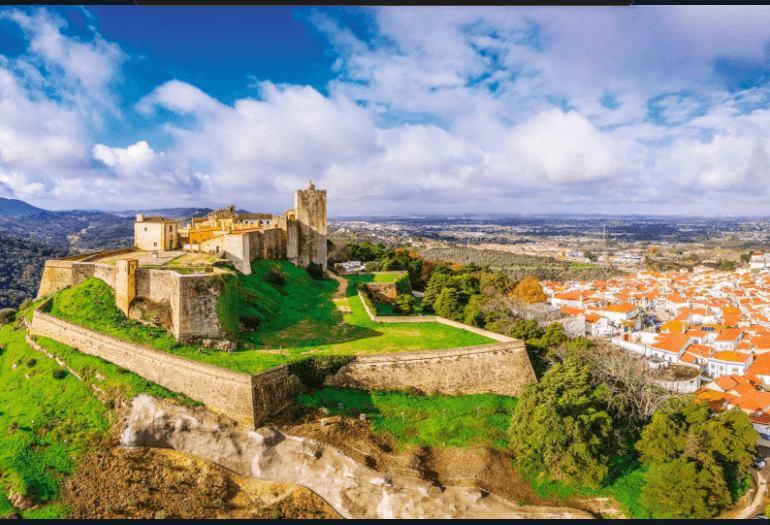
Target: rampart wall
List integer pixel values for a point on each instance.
(84, 270)
(383, 293)
(497, 368)
(246, 398)
(58, 273)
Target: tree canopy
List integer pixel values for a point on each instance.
(559, 429)
(696, 461)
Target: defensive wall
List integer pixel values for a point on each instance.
(192, 298)
(498, 368)
(246, 398)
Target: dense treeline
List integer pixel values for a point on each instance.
(516, 266)
(469, 293)
(21, 265)
(594, 418)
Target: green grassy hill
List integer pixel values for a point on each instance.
(299, 317)
(50, 420)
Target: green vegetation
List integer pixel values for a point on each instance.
(21, 264)
(698, 464)
(424, 420)
(42, 437)
(303, 319)
(34, 423)
(560, 430)
(380, 258)
(516, 266)
(113, 379)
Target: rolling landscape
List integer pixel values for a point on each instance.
(340, 262)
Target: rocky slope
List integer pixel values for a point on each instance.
(350, 488)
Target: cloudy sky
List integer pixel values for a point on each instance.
(623, 110)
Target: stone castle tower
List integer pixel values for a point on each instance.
(310, 216)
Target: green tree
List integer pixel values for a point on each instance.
(703, 455)
(405, 304)
(447, 303)
(472, 313)
(560, 430)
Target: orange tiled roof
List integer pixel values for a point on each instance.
(621, 308)
(761, 365)
(726, 382)
(699, 350)
(672, 343)
(730, 356)
(731, 334)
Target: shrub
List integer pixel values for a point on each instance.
(25, 304)
(30, 362)
(7, 315)
(277, 276)
(58, 373)
(405, 304)
(316, 271)
(313, 370)
(228, 265)
(403, 285)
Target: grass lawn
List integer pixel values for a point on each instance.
(423, 422)
(306, 322)
(378, 278)
(624, 484)
(37, 414)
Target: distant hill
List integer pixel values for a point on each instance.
(169, 213)
(16, 207)
(21, 265)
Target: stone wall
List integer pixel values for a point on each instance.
(273, 390)
(383, 293)
(57, 275)
(236, 247)
(192, 298)
(84, 270)
(196, 309)
(245, 398)
(499, 368)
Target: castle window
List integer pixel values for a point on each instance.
(155, 244)
(145, 228)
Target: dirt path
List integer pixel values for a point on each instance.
(342, 291)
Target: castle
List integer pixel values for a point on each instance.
(151, 275)
(298, 234)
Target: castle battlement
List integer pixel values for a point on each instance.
(298, 235)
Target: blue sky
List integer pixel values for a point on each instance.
(642, 109)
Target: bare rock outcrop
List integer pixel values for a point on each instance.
(19, 500)
(352, 489)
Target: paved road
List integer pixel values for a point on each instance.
(760, 499)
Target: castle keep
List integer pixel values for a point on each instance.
(169, 267)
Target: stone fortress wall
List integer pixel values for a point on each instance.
(246, 398)
(192, 298)
(498, 368)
